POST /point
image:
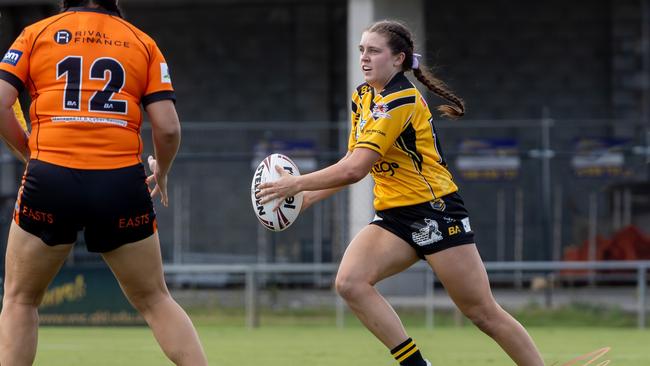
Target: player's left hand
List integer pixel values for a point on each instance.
(286, 186)
(160, 181)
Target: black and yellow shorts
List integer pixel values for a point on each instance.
(429, 227)
(112, 207)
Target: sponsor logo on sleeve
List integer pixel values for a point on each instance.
(12, 57)
(164, 74)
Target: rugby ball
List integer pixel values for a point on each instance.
(288, 211)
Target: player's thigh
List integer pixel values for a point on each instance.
(30, 265)
(375, 254)
(462, 273)
(138, 268)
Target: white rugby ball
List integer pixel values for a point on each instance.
(288, 211)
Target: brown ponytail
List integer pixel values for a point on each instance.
(399, 39)
(438, 86)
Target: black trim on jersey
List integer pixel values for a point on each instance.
(406, 141)
(372, 99)
(13, 80)
(353, 106)
(438, 147)
(92, 10)
(158, 96)
(368, 143)
(360, 87)
(397, 83)
(400, 102)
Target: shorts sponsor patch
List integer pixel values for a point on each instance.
(12, 57)
(466, 226)
(428, 234)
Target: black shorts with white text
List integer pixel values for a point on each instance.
(429, 227)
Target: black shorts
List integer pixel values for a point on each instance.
(429, 227)
(112, 207)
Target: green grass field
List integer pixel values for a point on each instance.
(326, 345)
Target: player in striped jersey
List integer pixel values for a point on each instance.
(419, 214)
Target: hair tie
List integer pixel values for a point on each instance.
(416, 62)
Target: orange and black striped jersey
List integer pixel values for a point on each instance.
(88, 71)
(398, 125)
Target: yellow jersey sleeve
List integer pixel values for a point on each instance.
(354, 119)
(19, 115)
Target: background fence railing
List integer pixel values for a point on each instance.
(532, 187)
(254, 272)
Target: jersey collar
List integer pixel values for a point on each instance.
(93, 10)
(395, 81)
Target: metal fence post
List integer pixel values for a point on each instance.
(429, 282)
(252, 310)
(642, 281)
(593, 232)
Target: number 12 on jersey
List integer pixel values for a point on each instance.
(101, 101)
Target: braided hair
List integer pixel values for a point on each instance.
(399, 39)
(110, 5)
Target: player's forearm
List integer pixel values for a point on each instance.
(13, 135)
(338, 175)
(166, 143)
(311, 197)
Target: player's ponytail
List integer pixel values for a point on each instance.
(438, 86)
(110, 5)
(399, 39)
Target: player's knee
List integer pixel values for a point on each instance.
(484, 316)
(144, 301)
(349, 287)
(22, 298)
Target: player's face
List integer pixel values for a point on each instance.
(378, 63)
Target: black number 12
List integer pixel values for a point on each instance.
(71, 67)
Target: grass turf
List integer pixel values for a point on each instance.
(326, 345)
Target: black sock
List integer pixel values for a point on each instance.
(408, 354)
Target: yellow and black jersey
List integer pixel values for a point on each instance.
(398, 125)
(18, 111)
